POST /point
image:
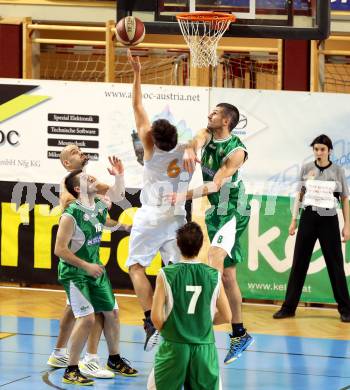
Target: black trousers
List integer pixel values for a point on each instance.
(325, 228)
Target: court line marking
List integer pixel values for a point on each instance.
(218, 348)
(223, 366)
(57, 291)
(134, 296)
(16, 380)
(231, 367)
(46, 379)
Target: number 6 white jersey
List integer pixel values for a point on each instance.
(163, 174)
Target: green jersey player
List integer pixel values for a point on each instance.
(81, 272)
(73, 158)
(188, 298)
(222, 155)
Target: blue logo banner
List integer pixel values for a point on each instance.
(340, 5)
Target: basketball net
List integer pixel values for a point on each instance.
(202, 32)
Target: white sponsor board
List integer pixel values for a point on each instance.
(278, 127)
(96, 116)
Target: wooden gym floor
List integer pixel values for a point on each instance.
(310, 351)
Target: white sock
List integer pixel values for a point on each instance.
(60, 351)
(90, 356)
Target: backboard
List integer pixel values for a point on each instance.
(288, 19)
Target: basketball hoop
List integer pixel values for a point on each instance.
(202, 32)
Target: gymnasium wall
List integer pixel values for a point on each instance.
(36, 124)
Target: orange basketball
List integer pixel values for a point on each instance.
(130, 31)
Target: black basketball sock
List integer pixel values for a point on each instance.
(148, 314)
(238, 330)
(114, 358)
(72, 368)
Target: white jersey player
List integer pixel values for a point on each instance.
(155, 223)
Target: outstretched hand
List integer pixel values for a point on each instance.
(134, 62)
(117, 167)
(189, 160)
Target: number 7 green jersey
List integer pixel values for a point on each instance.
(191, 290)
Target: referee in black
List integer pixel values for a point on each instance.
(323, 186)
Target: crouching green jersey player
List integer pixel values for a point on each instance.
(188, 299)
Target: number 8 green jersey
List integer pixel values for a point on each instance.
(191, 290)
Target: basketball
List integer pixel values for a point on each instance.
(130, 31)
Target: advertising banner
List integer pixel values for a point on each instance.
(277, 129)
(340, 5)
(39, 118)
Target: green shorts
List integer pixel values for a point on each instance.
(193, 366)
(224, 231)
(86, 294)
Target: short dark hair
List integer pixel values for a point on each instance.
(232, 112)
(164, 134)
(324, 140)
(71, 181)
(189, 239)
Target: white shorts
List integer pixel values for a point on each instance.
(116, 307)
(225, 237)
(151, 232)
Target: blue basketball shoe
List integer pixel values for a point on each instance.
(237, 346)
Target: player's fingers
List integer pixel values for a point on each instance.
(188, 166)
(99, 272)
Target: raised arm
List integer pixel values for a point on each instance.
(222, 176)
(116, 192)
(63, 238)
(113, 225)
(190, 155)
(228, 169)
(143, 124)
